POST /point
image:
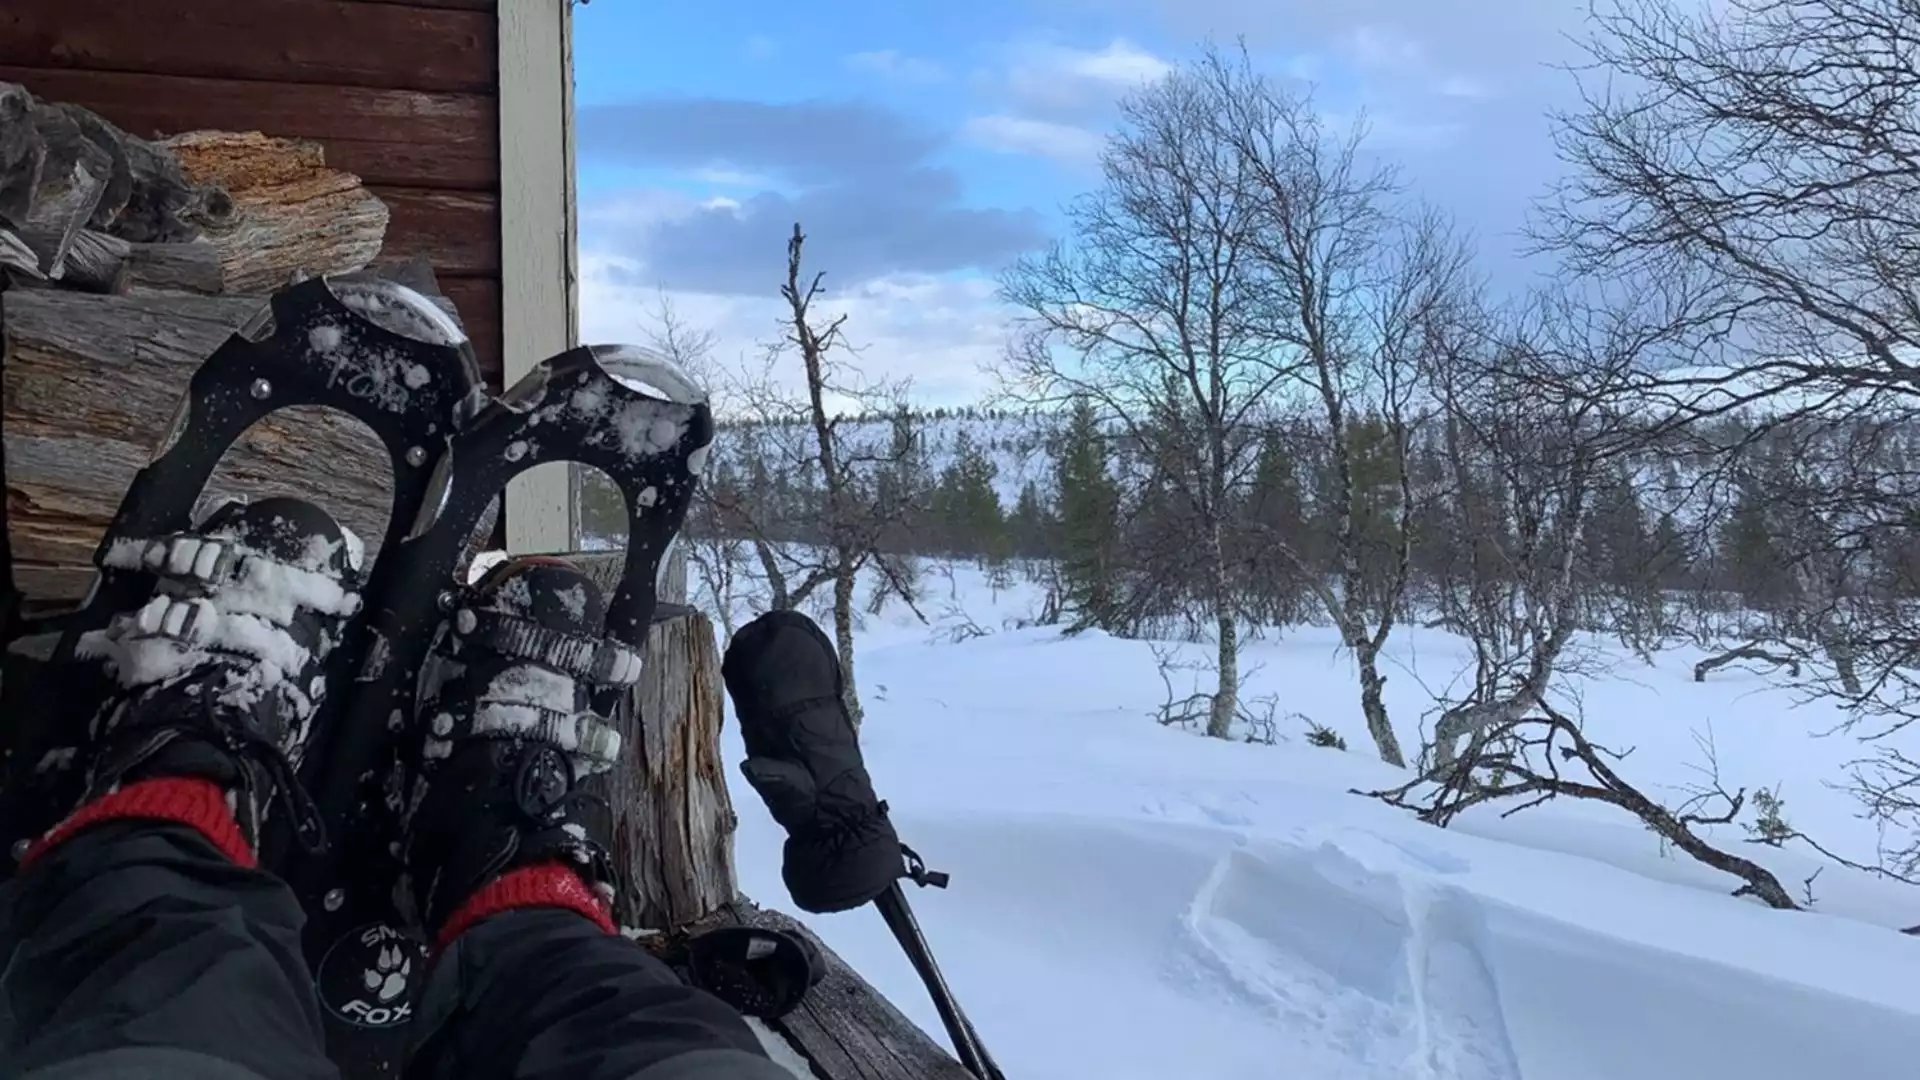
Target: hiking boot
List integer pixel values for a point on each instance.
(220, 673)
(508, 734)
(804, 760)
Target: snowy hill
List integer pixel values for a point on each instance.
(1131, 901)
(1016, 443)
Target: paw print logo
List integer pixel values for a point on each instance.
(387, 978)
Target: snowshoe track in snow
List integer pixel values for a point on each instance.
(1387, 969)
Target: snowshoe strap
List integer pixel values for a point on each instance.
(217, 561)
(597, 660)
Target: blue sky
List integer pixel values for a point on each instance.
(926, 145)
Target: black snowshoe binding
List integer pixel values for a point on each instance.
(221, 672)
(510, 732)
(586, 406)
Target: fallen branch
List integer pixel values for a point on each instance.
(1521, 760)
(1751, 651)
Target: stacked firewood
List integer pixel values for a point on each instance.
(123, 263)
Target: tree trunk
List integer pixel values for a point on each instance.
(843, 583)
(1841, 653)
(1374, 706)
(1226, 697)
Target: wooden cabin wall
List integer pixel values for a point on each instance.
(404, 94)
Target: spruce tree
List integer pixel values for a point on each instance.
(1087, 504)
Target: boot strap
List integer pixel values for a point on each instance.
(598, 660)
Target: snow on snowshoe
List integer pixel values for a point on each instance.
(374, 350)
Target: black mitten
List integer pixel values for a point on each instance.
(803, 758)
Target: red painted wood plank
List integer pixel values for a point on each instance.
(333, 42)
(396, 137)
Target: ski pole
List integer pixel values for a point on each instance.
(913, 941)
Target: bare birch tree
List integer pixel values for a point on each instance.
(1156, 312)
(851, 509)
(1762, 158)
(1358, 285)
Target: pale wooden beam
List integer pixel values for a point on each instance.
(537, 269)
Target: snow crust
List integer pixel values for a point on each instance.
(1133, 902)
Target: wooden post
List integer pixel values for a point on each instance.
(673, 820)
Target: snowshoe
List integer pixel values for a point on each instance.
(374, 350)
(221, 672)
(509, 736)
(370, 348)
(583, 406)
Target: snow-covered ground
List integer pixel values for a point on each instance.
(1133, 901)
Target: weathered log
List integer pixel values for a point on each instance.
(64, 168)
(98, 262)
(17, 257)
(383, 136)
(291, 213)
(330, 42)
(21, 153)
(673, 822)
(458, 230)
(91, 386)
(844, 1028)
(194, 268)
(74, 174)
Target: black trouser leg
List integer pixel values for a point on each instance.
(137, 949)
(544, 994)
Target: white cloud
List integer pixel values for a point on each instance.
(939, 333)
(1041, 138)
(894, 64)
(1059, 80)
(636, 206)
(1464, 86)
(1121, 64)
(1389, 130)
(1378, 46)
(733, 178)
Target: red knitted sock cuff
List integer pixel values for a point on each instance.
(542, 885)
(198, 804)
